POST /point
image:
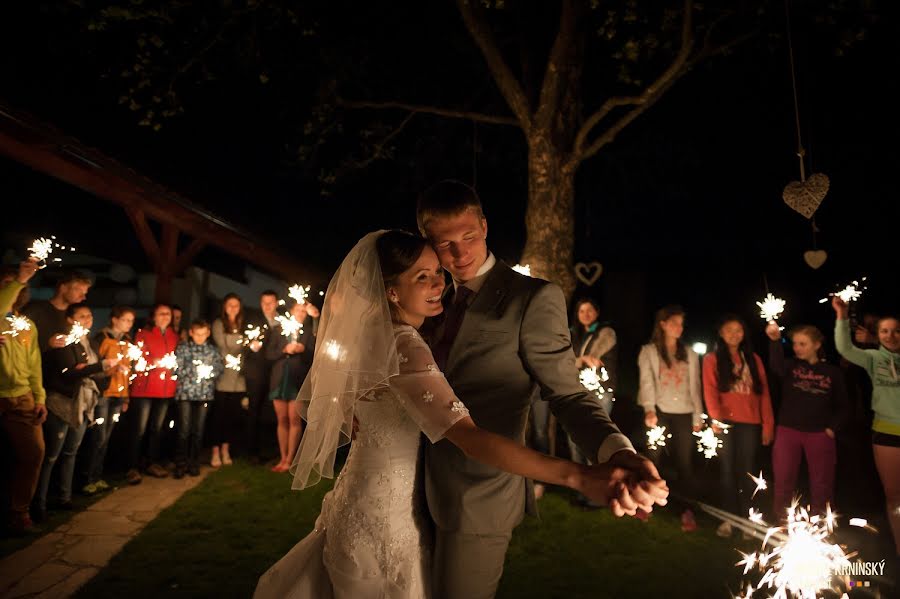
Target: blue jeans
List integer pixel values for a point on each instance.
(61, 442)
(107, 408)
(737, 457)
(191, 421)
(142, 410)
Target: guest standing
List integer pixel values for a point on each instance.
(231, 388)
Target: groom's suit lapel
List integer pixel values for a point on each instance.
(483, 305)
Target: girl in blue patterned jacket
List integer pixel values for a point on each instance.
(199, 365)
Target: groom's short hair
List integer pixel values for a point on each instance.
(446, 199)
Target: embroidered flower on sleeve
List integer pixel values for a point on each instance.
(428, 396)
(402, 359)
(431, 367)
(458, 406)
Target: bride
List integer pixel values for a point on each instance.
(371, 538)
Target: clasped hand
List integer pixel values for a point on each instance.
(626, 483)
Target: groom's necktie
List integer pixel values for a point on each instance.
(452, 322)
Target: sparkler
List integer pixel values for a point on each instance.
(41, 248)
(707, 442)
(524, 269)
(168, 361)
(761, 484)
(17, 324)
(334, 350)
(656, 437)
(233, 362)
(299, 293)
(115, 417)
(850, 293)
(251, 334)
(204, 370)
(98, 422)
(290, 326)
(756, 518)
(771, 307)
(76, 333)
(591, 380)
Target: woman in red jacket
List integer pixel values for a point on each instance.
(737, 394)
(152, 389)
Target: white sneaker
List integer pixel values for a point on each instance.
(724, 530)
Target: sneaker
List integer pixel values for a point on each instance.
(216, 461)
(102, 485)
(193, 470)
(89, 489)
(133, 477)
(688, 522)
(157, 471)
(179, 472)
(226, 457)
(724, 530)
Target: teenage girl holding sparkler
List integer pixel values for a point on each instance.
(883, 367)
(737, 393)
(814, 405)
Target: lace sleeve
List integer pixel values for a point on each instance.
(422, 389)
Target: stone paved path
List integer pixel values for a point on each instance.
(57, 564)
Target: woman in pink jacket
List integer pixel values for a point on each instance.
(737, 394)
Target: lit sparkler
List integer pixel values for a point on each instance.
(708, 443)
(204, 370)
(17, 324)
(656, 437)
(251, 334)
(233, 362)
(98, 422)
(592, 380)
(334, 350)
(76, 333)
(115, 417)
(771, 307)
(524, 269)
(850, 293)
(41, 248)
(299, 293)
(290, 326)
(756, 517)
(168, 362)
(761, 484)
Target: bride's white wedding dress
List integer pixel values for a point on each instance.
(371, 538)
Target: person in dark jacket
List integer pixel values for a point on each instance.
(199, 365)
(291, 350)
(72, 393)
(257, 367)
(814, 407)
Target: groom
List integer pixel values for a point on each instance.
(502, 336)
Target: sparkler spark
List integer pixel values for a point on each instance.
(290, 326)
(524, 269)
(850, 293)
(761, 484)
(251, 333)
(168, 361)
(17, 324)
(299, 293)
(656, 437)
(708, 443)
(771, 307)
(115, 417)
(334, 350)
(204, 370)
(233, 362)
(76, 333)
(591, 380)
(755, 517)
(41, 248)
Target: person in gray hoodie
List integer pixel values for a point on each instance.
(883, 368)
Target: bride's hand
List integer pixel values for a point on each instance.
(600, 483)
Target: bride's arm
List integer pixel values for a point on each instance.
(603, 484)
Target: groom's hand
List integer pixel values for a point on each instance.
(643, 489)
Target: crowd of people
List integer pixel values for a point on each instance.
(61, 397)
(64, 389)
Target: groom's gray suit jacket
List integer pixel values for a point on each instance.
(514, 338)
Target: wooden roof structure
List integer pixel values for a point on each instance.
(43, 148)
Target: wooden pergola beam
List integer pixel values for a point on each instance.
(145, 235)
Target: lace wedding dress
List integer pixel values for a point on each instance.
(371, 538)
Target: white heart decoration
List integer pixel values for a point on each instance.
(815, 258)
(805, 196)
(588, 273)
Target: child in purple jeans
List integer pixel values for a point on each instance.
(814, 405)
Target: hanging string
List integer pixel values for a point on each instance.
(800, 151)
(766, 283)
(474, 155)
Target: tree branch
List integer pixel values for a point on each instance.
(641, 102)
(549, 98)
(423, 109)
(507, 83)
(379, 147)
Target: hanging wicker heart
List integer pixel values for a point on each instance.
(815, 258)
(805, 196)
(588, 273)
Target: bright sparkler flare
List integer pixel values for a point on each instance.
(850, 293)
(592, 380)
(233, 362)
(524, 269)
(771, 307)
(76, 333)
(290, 326)
(755, 517)
(168, 361)
(708, 443)
(299, 293)
(17, 324)
(41, 248)
(99, 421)
(656, 437)
(761, 484)
(115, 417)
(334, 350)
(204, 370)
(251, 334)
(135, 352)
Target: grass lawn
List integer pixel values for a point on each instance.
(220, 536)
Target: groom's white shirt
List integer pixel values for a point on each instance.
(613, 443)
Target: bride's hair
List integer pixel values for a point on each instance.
(397, 251)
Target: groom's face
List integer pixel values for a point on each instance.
(460, 243)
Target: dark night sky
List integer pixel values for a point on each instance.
(685, 206)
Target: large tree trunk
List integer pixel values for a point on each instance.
(550, 216)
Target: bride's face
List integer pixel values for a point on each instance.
(418, 289)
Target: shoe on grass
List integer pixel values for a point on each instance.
(133, 477)
(20, 525)
(724, 530)
(688, 522)
(102, 485)
(179, 472)
(90, 489)
(216, 461)
(157, 471)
